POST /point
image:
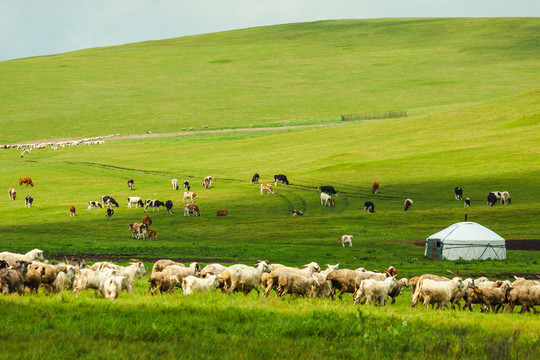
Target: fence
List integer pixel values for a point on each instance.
(373, 115)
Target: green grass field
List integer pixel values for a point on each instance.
(473, 100)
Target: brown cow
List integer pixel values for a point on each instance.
(407, 204)
(191, 209)
(12, 194)
(223, 212)
(152, 234)
(147, 220)
(72, 210)
(374, 187)
(25, 180)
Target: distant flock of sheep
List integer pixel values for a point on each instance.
(28, 272)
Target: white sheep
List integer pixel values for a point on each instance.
(90, 279)
(12, 258)
(192, 284)
(271, 281)
(182, 272)
(375, 290)
(111, 286)
(213, 269)
(440, 292)
(64, 280)
(467, 284)
(163, 263)
(325, 286)
(243, 278)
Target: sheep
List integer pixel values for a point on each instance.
(467, 284)
(33, 277)
(440, 292)
(192, 284)
(471, 297)
(50, 274)
(415, 280)
(136, 268)
(244, 278)
(344, 280)
(110, 287)
(163, 263)
(375, 290)
(181, 271)
(162, 282)
(525, 293)
(90, 279)
(325, 286)
(12, 279)
(64, 280)
(403, 282)
(212, 269)
(12, 258)
(277, 270)
(297, 284)
(494, 297)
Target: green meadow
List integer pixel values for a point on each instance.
(470, 87)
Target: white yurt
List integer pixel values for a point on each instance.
(467, 241)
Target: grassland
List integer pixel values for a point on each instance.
(474, 102)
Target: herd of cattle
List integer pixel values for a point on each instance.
(28, 272)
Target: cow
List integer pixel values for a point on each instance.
(189, 196)
(12, 194)
(281, 178)
(191, 209)
(109, 201)
(326, 200)
(467, 202)
(25, 180)
(186, 185)
(152, 234)
(147, 220)
(498, 195)
(92, 204)
(207, 182)
(267, 187)
(297, 213)
(327, 190)
(369, 207)
(374, 187)
(110, 213)
(169, 206)
(491, 199)
(345, 239)
(153, 203)
(134, 200)
(130, 184)
(72, 210)
(458, 192)
(255, 179)
(223, 212)
(138, 230)
(505, 198)
(28, 201)
(174, 183)
(407, 204)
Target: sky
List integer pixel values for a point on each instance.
(42, 27)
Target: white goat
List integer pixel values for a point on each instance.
(192, 284)
(375, 290)
(244, 278)
(437, 292)
(12, 258)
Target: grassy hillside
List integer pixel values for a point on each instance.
(288, 74)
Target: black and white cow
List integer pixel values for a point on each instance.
(458, 192)
(186, 185)
(110, 213)
(327, 190)
(28, 201)
(130, 184)
(109, 201)
(255, 179)
(169, 205)
(491, 199)
(467, 202)
(369, 207)
(153, 203)
(92, 204)
(134, 200)
(281, 178)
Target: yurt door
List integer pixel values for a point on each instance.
(434, 247)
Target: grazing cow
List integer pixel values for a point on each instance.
(369, 207)
(191, 209)
(297, 213)
(12, 194)
(374, 187)
(147, 220)
(207, 182)
(25, 180)
(491, 199)
(505, 198)
(255, 179)
(109, 201)
(467, 202)
(138, 230)
(498, 195)
(326, 200)
(110, 213)
(189, 196)
(134, 200)
(169, 205)
(458, 192)
(154, 204)
(327, 190)
(281, 178)
(152, 234)
(28, 201)
(186, 185)
(174, 183)
(223, 212)
(407, 204)
(267, 187)
(345, 239)
(72, 210)
(92, 204)
(130, 184)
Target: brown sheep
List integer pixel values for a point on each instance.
(33, 277)
(397, 290)
(12, 279)
(163, 263)
(162, 282)
(494, 297)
